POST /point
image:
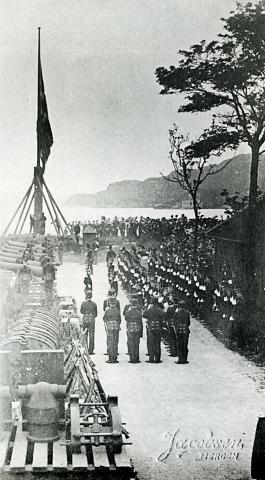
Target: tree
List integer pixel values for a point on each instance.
(236, 202)
(226, 76)
(189, 172)
(233, 204)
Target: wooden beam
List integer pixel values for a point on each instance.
(18, 208)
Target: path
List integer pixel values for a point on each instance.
(218, 391)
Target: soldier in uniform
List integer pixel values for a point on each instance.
(90, 312)
(182, 325)
(110, 256)
(26, 276)
(48, 273)
(133, 318)
(112, 320)
(171, 315)
(60, 251)
(155, 318)
(88, 280)
(111, 295)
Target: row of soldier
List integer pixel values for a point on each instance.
(176, 316)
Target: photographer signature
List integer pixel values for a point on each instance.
(211, 448)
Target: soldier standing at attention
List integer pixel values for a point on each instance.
(133, 318)
(48, 273)
(60, 251)
(90, 312)
(112, 320)
(110, 256)
(88, 280)
(171, 315)
(182, 331)
(155, 318)
(111, 295)
(26, 276)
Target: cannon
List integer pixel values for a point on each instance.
(67, 425)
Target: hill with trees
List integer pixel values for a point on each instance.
(157, 192)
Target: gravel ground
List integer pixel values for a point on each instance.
(194, 421)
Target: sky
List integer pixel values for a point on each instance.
(98, 59)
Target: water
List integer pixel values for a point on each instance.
(89, 213)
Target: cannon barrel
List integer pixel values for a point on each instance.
(36, 246)
(34, 263)
(15, 267)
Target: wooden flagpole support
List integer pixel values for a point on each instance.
(48, 208)
(58, 209)
(44, 143)
(27, 212)
(17, 210)
(57, 220)
(23, 208)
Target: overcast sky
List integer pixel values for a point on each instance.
(98, 57)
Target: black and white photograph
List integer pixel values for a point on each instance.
(132, 240)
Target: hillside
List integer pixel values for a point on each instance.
(156, 191)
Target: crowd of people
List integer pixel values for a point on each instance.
(45, 259)
(162, 265)
(159, 268)
(173, 318)
(137, 228)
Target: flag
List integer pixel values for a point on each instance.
(44, 131)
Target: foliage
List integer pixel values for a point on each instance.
(226, 76)
(233, 204)
(190, 171)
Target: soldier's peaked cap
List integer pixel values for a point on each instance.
(134, 302)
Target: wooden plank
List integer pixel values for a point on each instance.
(40, 457)
(100, 457)
(4, 439)
(59, 459)
(79, 460)
(122, 459)
(19, 453)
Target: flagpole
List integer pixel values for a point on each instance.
(38, 97)
(38, 172)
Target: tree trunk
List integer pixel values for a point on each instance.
(196, 227)
(253, 187)
(251, 254)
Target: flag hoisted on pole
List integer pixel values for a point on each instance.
(38, 189)
(44, 131)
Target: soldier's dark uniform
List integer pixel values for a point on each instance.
(107, 303)
(155, 318)
(48, 273)
(171, 315)
(90, 312)
(112, 320)
(182, 331)
(134, 323)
